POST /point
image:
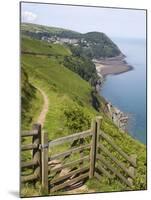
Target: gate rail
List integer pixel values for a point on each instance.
(92, 149)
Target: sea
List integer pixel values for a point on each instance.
(127, 91)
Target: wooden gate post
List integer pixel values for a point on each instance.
(36, 152)
(99, 122)
(44, 163)
(95, 127)
(93, 148)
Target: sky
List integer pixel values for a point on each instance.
(118, 23)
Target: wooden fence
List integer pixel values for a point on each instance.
(91, 153)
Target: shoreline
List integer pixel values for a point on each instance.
(113, 66)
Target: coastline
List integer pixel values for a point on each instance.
(113, 66)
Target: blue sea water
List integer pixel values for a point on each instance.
(127, 91)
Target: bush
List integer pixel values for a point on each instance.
(83, 66)
(77, 119)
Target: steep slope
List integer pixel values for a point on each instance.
(39, 47)
(101, 45)
(68, 92)
(31, 101)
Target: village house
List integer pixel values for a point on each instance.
(57, 40)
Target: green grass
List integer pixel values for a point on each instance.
(104, 185)
(64, 89)
(129, 146)
(57, 77)
(37, 46)
(57, 85)
(31, 102)
(41, 28)
(31, 105)
(28, 190)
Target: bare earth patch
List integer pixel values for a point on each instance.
(42, 116)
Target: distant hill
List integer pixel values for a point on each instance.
(91, 44)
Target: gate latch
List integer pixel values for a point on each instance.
(43, 146)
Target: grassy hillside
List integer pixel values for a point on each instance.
(31, 101)
(68, 92)
(34, 46)
(56, 80)
(79, 64)
(92, 44)
(36, 28)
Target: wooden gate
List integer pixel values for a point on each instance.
(108, 159)
(67, 162)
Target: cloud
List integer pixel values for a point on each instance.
(28, 16)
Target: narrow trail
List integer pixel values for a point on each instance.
(42, 116)
(56, 163)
